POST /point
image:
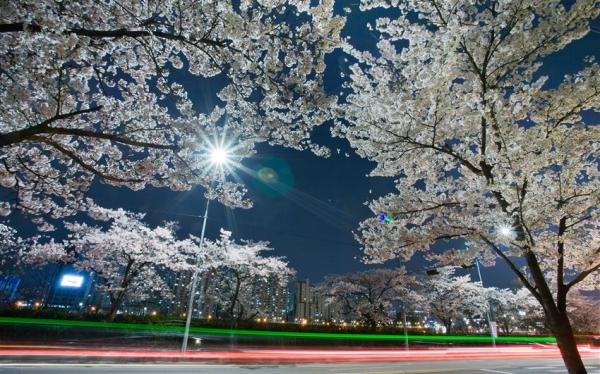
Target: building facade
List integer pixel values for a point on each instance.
(310, 304)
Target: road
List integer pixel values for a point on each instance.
(503, 360)
(518, 366)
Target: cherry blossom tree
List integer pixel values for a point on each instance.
(483, 147)
(8, 236)
(370, 295)
(100, 90)
(583, 312)
(513, 308)
(10, 243)
(129, 258)
(450, 297)
(235, 267)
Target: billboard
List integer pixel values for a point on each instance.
(71, 281)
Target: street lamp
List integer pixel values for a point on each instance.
(505, 231)
(491, 324)
(219, 157)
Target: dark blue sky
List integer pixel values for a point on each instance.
(311, 224)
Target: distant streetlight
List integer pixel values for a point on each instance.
(219, 156)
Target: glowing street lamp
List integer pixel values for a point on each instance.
(220, 156)
(505, 231)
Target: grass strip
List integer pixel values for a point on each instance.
(283, 334)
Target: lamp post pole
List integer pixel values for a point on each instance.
(190, 309)
(219, 156)
(404, 327)
(489, 316)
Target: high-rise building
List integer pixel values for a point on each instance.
(321, 311)
(270, 299)
(302, 301)
(310, 304)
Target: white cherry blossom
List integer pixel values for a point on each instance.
(452, 104)
(101, 89)
(129, 259)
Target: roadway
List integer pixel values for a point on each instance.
(517, 366)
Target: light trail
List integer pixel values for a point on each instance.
(284, 334)
(301, 355)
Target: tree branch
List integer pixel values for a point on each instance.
(117, 33)
(513, 267)
(583, 275)
(18, 136)
(443, 149)
(82, 163)
(113, 137)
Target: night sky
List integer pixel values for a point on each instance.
(319, 202)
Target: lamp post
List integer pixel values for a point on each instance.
(505, 231)
(219, 157)
(489, 316)
(404, 326)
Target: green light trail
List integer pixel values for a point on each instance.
(282, 334)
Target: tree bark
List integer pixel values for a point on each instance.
(556, 316)
(562, 330)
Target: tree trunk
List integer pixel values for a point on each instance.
(240, 314)
(448, 325)
(234, 298)
(115, 303)
(114, 307)
(561, 328)
(556, 316)
(506, 328)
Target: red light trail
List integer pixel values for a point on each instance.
(310, 355)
